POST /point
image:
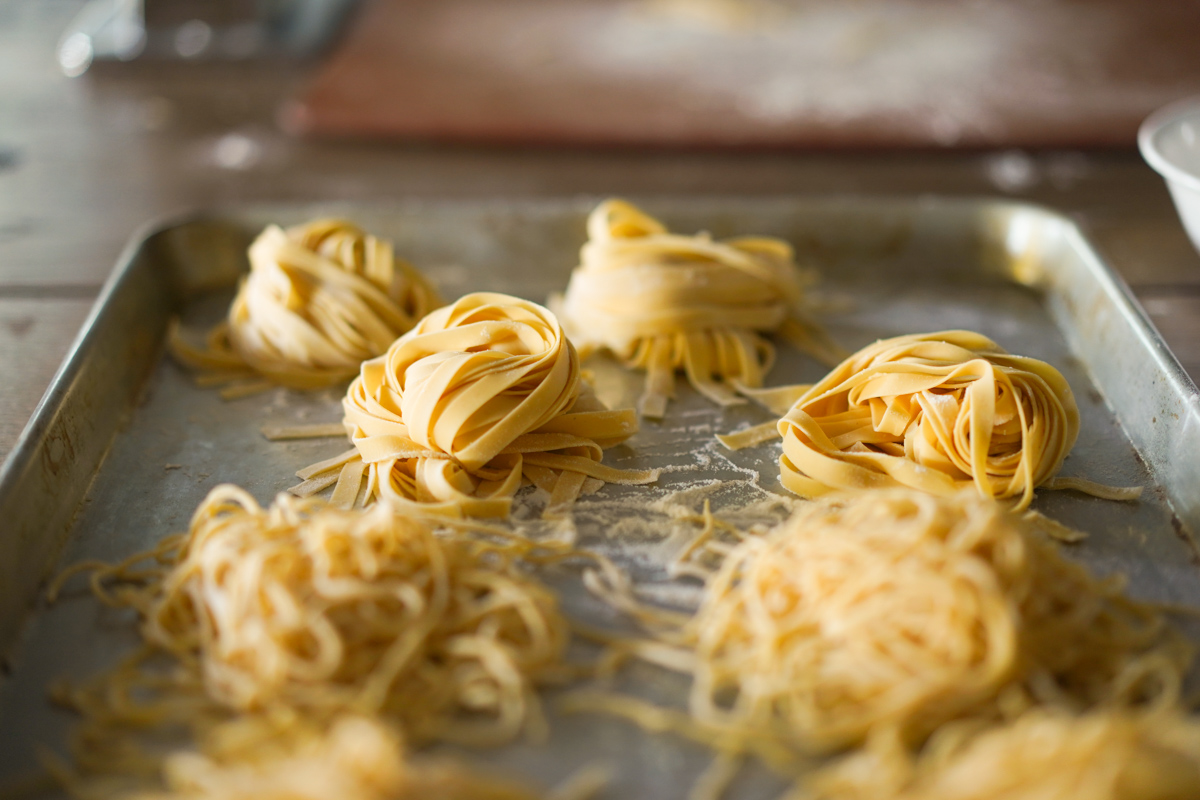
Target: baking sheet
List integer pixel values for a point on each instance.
(1020, 274)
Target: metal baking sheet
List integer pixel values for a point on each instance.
(124, 446)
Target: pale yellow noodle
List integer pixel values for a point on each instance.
(664, 302)
(479, 396)
(358, 758)
(896, 612)
(320, 299)
(306, 612)
(936, 412)
(1041, 755)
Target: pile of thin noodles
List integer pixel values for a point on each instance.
(305, 612)
(358, 758)
(936, 412)
(1113, 754)
(893, 613)
(320, 299)
(663, 302)
(481, 395)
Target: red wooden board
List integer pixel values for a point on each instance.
(756, 73)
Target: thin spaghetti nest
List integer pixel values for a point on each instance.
(937, 412)
(356, 759)
(1041, 755)
(320, 299)
(301, 611)
(663, 302)
(479, 396)
(898, 611)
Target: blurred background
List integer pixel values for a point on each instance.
(114, 113)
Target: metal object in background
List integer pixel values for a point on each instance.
(124, 445)
(122, 30)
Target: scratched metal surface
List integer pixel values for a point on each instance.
(1019, 274)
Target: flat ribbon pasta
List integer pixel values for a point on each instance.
(320, 299)
(479, 395)
(664, 302)
(935, 412)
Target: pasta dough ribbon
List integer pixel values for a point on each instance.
(664, 302)
(479, 395)
(319, 300)
(935, 412)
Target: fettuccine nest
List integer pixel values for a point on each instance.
(937, 412)
(320, 299)
(479, 396)
(664, 302)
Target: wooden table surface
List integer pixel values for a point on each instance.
(85, 161)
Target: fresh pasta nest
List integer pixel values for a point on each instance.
(357, 759)
(1043, 754)
(936, 412)
(305, 611)
(891, 613)
(320, 299)
(663, 302)
(480, 395)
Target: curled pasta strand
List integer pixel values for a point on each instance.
(479, 396)
(664, 303)
(320, 299)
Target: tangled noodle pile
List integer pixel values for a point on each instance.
(302, 611)
(357, 759)
(1114, 754)
(894, 612)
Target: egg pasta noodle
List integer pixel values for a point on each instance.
(480, 396)
(1109, 754)
(356, 758)
(937, 412)
(320, 299)
(258, 618)
(891, 614)
(664, 302)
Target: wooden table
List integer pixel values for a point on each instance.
(84, 162)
